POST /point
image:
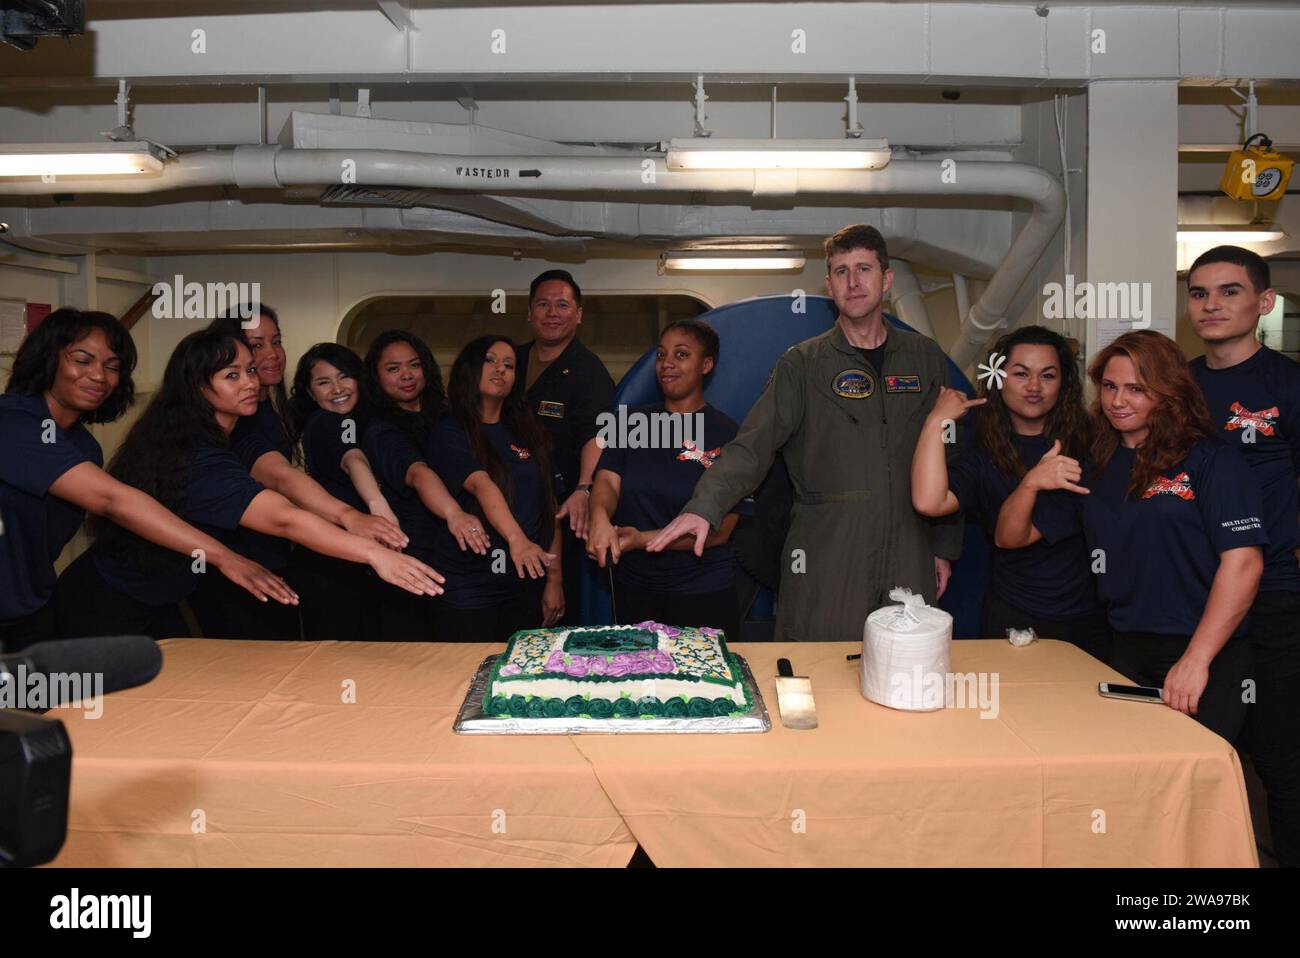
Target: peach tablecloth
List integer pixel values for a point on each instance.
(245, 753)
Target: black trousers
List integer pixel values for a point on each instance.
(1146, 659)
(402, 616)
(717, 610)
(225, 611)
(1090, 632)
(1273, 723)
(39, 626)
(86, 606)
(522, 610)
(338, 600)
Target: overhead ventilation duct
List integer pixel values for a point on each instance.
(396, 173)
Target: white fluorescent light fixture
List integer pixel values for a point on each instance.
(81, 159)
(707, 153)
(1230, 234)
(732, 260)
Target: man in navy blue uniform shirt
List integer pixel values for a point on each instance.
(567, 387)
(1254, 394)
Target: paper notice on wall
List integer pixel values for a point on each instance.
(13, 324)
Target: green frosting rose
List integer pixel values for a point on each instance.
(723, 707)
(575, 705)
(626, 708)
(649, 705)
(674, 708)
(555, 708)
(518, 706)
(499, 706)
(537, 707)
(699, 708)
(600, 708)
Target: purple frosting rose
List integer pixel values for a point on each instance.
(511, 669)
(556, 662)
(577, 666)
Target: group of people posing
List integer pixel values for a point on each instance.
(1158, 528)
(362, 499)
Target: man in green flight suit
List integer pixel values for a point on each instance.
(845, 409)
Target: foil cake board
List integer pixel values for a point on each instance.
(472, 720)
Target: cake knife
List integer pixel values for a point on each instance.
(794, 697)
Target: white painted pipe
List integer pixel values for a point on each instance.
(272, 167)
(908, 300)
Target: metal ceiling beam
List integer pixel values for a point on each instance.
(928, 43)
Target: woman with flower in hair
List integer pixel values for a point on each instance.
(1172, 516)
(1028, 422)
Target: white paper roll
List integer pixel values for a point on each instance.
(905, 654)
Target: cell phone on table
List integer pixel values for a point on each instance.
(1132, 693)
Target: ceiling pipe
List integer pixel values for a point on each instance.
(908, 300)
(274, 167)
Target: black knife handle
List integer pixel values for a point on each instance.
(784, 668)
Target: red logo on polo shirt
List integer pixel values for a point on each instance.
(521, 452)
(1180, 486)
(1242, 418)
(704, 457)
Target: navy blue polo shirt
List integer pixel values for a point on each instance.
(219, 491)
(392, 451)
(471, 581)
(1050, 578)
(326, 439)
(36, 525)
(655, 484)
(253, 437)
(1162, 547)
(1257, 405)
(568, 396)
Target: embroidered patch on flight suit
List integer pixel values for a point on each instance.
(902, 384)
(854, 384)
(553, 409)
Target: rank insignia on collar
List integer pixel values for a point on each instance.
(854, 384)
(902, 384)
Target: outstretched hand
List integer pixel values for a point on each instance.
(688, 523)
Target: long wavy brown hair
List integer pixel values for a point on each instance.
(1177, 421)
(1066, 421)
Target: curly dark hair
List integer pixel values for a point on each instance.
(37, 362)
(1066, 421)
(433, 401)
(703, 334)
(301, 402)
(466, 374)
(154, 456)
(1176, 423)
